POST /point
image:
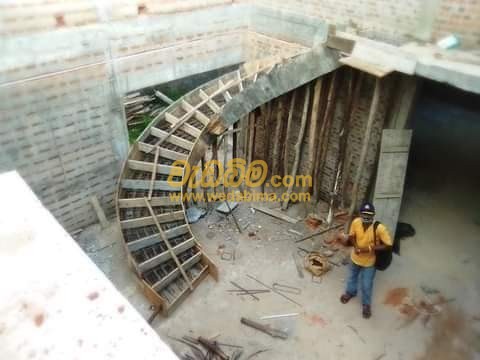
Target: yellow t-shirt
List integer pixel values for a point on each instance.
(365, 238)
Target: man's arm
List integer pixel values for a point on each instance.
(384, 236)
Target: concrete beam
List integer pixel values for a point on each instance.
(283, 78)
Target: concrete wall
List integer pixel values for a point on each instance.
(391, 20)
(65, 67)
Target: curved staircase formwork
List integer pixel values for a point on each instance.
(159, 242)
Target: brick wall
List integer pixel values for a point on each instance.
(61, 87)
(354, 143)
(460, 17)
(390, 20)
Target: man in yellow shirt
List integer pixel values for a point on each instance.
(362, 237)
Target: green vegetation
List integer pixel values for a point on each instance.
(135, 131)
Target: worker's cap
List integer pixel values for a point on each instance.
(367, 208)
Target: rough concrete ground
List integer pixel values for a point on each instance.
(324, 328)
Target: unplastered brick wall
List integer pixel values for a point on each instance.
(60, 134)
(62, 83)
(392, 20)
(356, 133)
(459, 17)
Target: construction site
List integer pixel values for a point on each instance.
(213, 179)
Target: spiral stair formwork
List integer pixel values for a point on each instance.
(161, 247)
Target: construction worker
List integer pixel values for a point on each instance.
(361, 236)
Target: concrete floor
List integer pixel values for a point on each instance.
(324, 328)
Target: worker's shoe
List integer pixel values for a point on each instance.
(366, 311)
(345, 298)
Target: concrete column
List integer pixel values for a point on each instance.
(403, 102)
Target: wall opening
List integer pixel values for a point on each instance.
(442, 199)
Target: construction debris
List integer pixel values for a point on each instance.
(286, 288)
(267, 329)
(279, 316)
(139, 105)
(317, 264)
(273, 290)
(275, 213)
(213, 348)
(319, 233)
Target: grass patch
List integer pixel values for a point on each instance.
(135, 131)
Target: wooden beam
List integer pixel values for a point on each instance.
(189, 129)
(240, 81)
(368, 67)
(161, 258)
(169, 246)
(312, 132)
(363, 153)
(154, 172)
(200, 116)
(321, 138)
(148, 220)
(164, 97)
(298, 145)
(165, 153)
(173, 139)
(210, 102)
(155, 238)
(276, 137)
(226, 94)
(159, 285)
(275, 213)
(99, 211)
(152, 167)
(145, 185)
(289, 130)
(155, 201)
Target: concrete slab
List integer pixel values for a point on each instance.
(55, 302)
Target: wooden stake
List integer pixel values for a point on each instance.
(321, 138)
(298, 145)
(251, 137)
(329, 116)
(312, 132)
(363, 153)
(289, 130)
(154, 173)
(341, 166)
(169, 246)
(277, 135)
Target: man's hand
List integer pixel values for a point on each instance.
(365, 250)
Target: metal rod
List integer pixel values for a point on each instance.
(278, 316)
(319, 233)
(246, 291)
(276, 292)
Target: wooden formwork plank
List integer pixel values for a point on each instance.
(173, 139)
(150, 167)
(226, 94)
(159, 285)
(155, 238)
(165, 153)
(189, 129)
(148, 220)
(167, 242)
(165, 256)
(145, 185)
(155, 201)
(211, 103)
(154, 171)
(203, 274)
(200, 116)
(240, 81)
